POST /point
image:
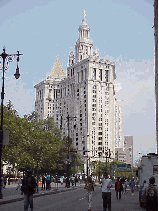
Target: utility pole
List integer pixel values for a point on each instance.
(106, 153)
(87, 165)
(68, 139)
(99, 153)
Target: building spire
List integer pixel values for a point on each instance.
(57, 57)
(84, 21)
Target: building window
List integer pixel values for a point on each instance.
(81, 75)
(100, 74)
(94, 73)
(107, 75)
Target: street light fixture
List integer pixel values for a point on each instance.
(5, 58)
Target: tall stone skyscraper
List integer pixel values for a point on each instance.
(85, 92)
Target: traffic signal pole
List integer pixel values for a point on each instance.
(87, 165)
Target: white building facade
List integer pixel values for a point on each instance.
(119, 130)
(87, 93)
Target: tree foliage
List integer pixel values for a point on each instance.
(34, 144)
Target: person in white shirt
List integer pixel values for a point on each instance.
(106, 194)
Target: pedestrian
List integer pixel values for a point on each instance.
(67, 182)
(43, 182)
(28, 188)
(19, 183)
(123, 184)
(80, 179)
(72, 180)
(137, 183)
(132, 185)
(126, 184)
(151, 196)
(48, 181)
(106, 194)
(76, 180)
(8, 180)
(118, 188)
(90, 188)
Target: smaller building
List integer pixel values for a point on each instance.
(128, 149)
(120, 155)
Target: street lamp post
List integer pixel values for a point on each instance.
(68, 119)
(99, 153)
(5, 58)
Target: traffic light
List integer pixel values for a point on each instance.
(87, 159)
(109, 153)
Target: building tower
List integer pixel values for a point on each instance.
(83, 47)
(47, 91)
(87, 92)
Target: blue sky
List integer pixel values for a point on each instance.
(121, 30)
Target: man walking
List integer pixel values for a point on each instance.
(19, 183)
(43, 182)
(122, 180)
(90, 188)
(106, 194)
(48, 182)
(151, 196)
(28, 188)
(118, 188)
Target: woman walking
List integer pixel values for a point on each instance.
(90, 188)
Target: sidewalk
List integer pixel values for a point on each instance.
(10, 194)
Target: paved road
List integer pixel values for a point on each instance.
(10, 190)
(76, 201)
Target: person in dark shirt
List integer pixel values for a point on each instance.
(122, 180)
(28, 188)
(118, 188)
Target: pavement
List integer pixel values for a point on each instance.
(10, 194)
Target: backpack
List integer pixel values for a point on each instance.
(151, 192)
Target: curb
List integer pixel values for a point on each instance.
(36, 195)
